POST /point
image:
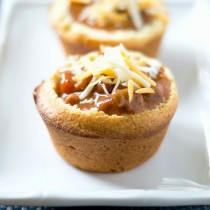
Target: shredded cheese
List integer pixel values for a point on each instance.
(133, 9)
(82, 76)
(89, 64)
(135, 69)
(81, 1)
(145, 90)
(99, 10)
(116, 85)
(115, 66)
(105, 90)
(87, 101)
(87, 90)
(99, 80)
(130, 90)
(102, 12)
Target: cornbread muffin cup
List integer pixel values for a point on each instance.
(79, 38)
(94, 141)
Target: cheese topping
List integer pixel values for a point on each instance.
(103, 11)
(81, 1)
(133, 9)
(98, 10)
(116, 66)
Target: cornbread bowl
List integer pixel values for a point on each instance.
(84, 25)
(91, 137)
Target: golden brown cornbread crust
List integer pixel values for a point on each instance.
(78, 38)
(84, 44)
(103, 154)
(94, 141)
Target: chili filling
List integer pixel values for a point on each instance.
(109, 20)
(116, 102)
(113, 80)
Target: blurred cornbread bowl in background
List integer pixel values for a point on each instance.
(84, 25)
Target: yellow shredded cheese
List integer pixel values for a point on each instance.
(82, 76)
(108, 72)
(115, 66)
(88, 63)
(136, 70)
(81, 1)
(130, 90)
(145, 90)
(144, 4)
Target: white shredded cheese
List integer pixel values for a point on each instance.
(105, 90)
(133, 9)
(153, 70)
(116, 66)
(87, 101)
(116, 86)
(87, 90)
(100, 9)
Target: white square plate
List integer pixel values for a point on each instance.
(32, 173)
